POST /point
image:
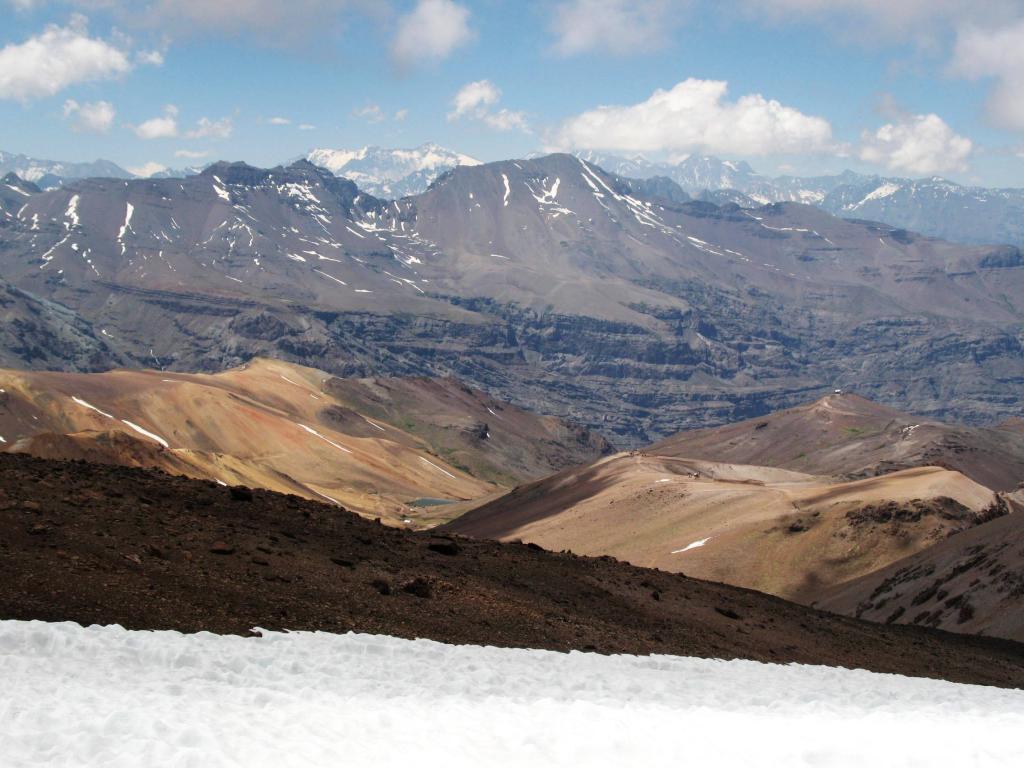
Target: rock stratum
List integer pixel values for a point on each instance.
(548, 283)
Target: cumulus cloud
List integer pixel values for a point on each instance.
(307, 127)
(918, 144)
(371, 113)
(695, 116)
(56, 58)
(279, 121)
(997, 53)
(477, 100)
(147, 169)
(163, 127)
(401, 114)
(191, 154)
(151, 58)
(431, 31)
(618, 26)
(212, 129)
(166, 127)
(90, 117)
(473, 97)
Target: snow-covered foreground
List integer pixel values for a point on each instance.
(106, 696)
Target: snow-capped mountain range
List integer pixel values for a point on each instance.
(390, 173)
(935, 207)
(52, 173)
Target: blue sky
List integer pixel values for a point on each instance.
(813, 86)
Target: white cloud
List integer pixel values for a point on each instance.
(506, 120)
(400, 115)
(91, 117)
(279, 121)
(431, 32)
(212, 129)
(618, 26)
(474, 96)
(163, 127)
(371, 113)
(56, 58)
(152, 58)
(475, 101)
(918, 144)
(996, 53)
(191, 154)
(147, 169)
(306, 127)
(695, 116)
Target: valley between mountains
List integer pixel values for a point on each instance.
(536, 404)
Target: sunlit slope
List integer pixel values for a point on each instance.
(268, 424)
(849, 436)
(775, 530)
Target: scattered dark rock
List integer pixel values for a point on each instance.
(222, 548)
(729, 613)
(381, 586)
(444, 547)
(419, 587)
(240, 493)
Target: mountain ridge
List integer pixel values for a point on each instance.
(549, 282)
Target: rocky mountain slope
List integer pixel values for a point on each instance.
(549, 283)
(390, 173)
(933, 206)
(773, 530)
(972, 582)
(876, 533)
(846, 435)
(294, 430)
(485, 437)
(110, 545)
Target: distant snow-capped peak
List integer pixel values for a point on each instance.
(387, 172)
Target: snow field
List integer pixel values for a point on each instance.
(76, 696)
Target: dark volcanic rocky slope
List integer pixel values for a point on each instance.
(100, 544)
(547, 282)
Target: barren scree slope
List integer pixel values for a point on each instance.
(105, 544)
